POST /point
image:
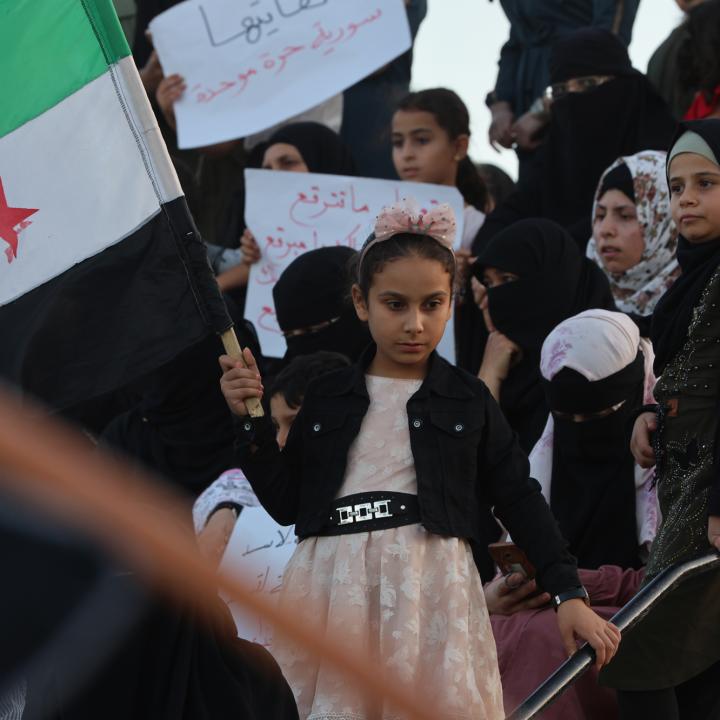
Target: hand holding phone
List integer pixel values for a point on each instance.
(506, 598)
(511, 559)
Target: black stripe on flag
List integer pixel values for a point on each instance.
(115, 316)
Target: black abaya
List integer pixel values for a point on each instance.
(555, 282)
(588, 132)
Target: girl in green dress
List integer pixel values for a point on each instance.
(669, 666)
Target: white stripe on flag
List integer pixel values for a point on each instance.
(145, 127)
(80, 167)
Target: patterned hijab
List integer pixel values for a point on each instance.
(638, 289)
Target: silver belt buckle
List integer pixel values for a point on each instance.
(346, 514)
(363, 511)
(349, 514)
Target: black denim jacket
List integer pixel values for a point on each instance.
(467, 460)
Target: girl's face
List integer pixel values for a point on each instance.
(617, 231)
(423, 151)
(282, 156)
(407, 308)
(695, 197)
(492, 277)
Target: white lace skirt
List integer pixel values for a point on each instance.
(411, 600)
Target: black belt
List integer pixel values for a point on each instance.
(363, 512)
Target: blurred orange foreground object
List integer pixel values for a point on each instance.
(50, 466)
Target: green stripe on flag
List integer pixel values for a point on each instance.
(107, 26)
(51, 49)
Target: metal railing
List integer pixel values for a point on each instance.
(624, 619)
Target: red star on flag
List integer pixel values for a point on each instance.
(10, 218)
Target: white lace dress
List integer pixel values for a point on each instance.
(411, 599)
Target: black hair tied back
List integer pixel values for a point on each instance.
(452, 115)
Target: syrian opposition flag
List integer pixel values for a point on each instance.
(103, 275)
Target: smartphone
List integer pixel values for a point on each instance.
(511, 559)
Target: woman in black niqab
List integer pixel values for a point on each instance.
(554, 282)
(588, 131)
(313, 308)
(596, 374)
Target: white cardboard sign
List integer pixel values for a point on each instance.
(290, 213)
(250, 64)
(261, 549)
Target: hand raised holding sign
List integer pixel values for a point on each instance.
(169, 91)
(250, 65)
(250, 248)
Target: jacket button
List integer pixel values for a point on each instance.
(247, 427)
(459, 427)
(417, 423)
(317, 427)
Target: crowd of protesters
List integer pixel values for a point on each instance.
(579, 421)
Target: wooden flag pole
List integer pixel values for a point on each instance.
(233, 349)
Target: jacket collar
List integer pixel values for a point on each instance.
(442, 379)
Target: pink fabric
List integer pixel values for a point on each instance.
(407, 217)
(409, 598)
(530, 650)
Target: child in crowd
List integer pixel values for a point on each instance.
(670, 665)
(386, 471)
(430, 138)
(634, 237)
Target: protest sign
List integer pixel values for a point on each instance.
(260, 549)
(291, 213)
(249, 64)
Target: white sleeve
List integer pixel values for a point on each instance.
(231, 487)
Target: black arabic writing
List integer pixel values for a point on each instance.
(252, 27)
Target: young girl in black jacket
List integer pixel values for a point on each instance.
(386, 472)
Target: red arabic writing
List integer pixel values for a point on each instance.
(267, 320)
(325, 41)
(308, 207)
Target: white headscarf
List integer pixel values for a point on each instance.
(638, 289)
(597, 344)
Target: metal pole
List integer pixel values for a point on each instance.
(624, 619)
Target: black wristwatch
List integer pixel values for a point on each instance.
(578, 593)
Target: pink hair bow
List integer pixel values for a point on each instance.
(406, 217)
